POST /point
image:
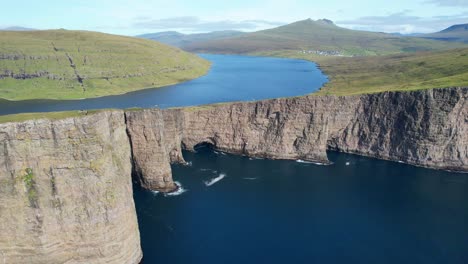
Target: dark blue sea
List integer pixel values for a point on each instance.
(358, 210)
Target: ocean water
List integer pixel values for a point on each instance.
(236, 209)
(231, 78)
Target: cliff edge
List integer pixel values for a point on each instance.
(65, 185)
(426, 128)
(66, 192)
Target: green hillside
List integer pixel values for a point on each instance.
(62, 64)
(321, 36)
(401, 72)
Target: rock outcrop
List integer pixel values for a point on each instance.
(65, 185)
(66, 192)
(425, 128)
(150, 154)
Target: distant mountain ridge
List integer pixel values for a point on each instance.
(16, 28)
(180, 40)
(318, 36)
(456, 28)
(455, 33)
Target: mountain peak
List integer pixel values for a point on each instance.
(460, 27)
(310, 21)
(326, 21)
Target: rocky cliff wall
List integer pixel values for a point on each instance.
(425, 128)
(65, 185)
(66, 192)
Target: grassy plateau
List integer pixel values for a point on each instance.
(62, 64)
(398, 72)
(47, 115)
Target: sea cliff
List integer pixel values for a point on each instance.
(65, 185)
(66, 192)
(426, 128)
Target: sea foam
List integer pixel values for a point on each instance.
(180, 190)
(310, 162)
(215, 180)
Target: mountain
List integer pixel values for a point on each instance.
(15, 28)
(63, 64)
(320, 36)
(455, 33)
(180, 40)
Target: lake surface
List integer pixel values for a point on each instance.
(231, 78)
(358, 210)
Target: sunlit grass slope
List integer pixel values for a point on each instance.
(62, 64)
(402, 72)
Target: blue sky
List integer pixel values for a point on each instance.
(145, 16)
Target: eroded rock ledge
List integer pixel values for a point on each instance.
(65, 185)
(425, 128)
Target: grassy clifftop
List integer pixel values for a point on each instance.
(62, 64)
(401, 72)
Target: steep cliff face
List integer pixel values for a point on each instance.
(150, 153)
(65, 185)
(66, 192)
(425, 128)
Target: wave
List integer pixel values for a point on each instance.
(210, 170)
(311, 162)
(180, 190)
(219, 153)
(215, 180)
(250, 179)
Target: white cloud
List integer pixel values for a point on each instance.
(449, 2)
(195, 24)
(404, 23)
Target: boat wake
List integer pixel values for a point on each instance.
(215, 180)
(311, 162)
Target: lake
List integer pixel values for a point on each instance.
(359, 210)
(231, 78)
(241, 210)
